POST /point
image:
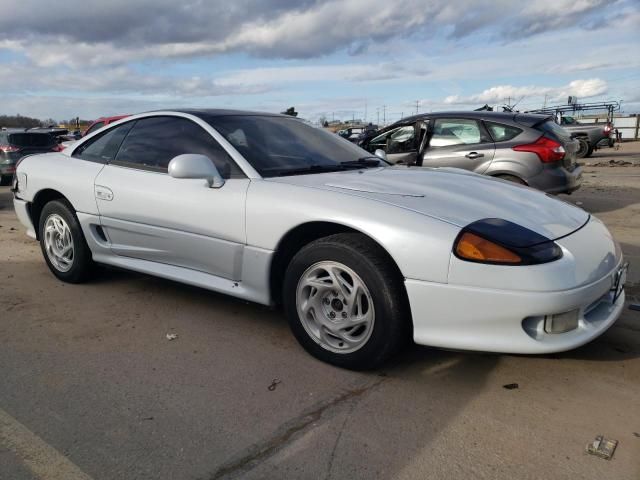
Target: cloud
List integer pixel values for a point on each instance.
(95, 32)
(498, 94)
(18, 78)
(363, 72)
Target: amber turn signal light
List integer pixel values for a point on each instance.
(475, 248)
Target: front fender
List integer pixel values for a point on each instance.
(419, 245)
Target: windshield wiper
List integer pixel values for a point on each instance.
(363, 162)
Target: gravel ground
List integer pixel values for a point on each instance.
(90, 387)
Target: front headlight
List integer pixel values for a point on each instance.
(500, 242)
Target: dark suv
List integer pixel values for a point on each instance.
(524, 148)
(16, 143)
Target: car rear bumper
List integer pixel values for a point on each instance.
(472, 318)
(557, 180)
(7, 169)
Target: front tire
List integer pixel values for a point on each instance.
(346, 302)
(63, 244)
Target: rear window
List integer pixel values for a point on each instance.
(31, 139)
(554, 130)
(502, 133)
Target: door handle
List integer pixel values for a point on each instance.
(103, 193)
(473, 155)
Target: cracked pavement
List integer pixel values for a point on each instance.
(86, 372)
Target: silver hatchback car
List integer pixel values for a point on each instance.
(524, 148)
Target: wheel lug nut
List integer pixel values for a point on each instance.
(332, 314)
(326, 301)
(344, 314)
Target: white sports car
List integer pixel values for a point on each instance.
(362, 256)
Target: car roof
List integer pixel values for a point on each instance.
(38, 131)
(223, 112)
(526, 118)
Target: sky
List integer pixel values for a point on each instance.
(365, 59)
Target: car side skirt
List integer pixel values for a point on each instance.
(256, 263)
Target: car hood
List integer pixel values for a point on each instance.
(452, 195)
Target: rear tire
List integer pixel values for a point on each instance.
(585, 148)
(589, 151)
(63, 244)
(345, 302)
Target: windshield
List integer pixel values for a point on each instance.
(277, 146)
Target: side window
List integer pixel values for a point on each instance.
(502, 133)
(94, 127)
(154, 141)
(398, 140)
(456, 131)
(104, 147)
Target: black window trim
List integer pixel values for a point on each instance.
(95, 138)
(147, 168)
(160, 170)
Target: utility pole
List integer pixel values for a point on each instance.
(378, 115)
(545, 100)
(417, 105)
(384, 114)
(365, 111)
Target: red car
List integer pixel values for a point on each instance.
(101, 122)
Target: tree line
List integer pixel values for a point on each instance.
(21, 121)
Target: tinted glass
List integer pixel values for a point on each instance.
(31, 139)
(283, 146)
(104, 147)
(94, 127)
(502, 133)
(554, 130)
(457, 131)
(154, 141)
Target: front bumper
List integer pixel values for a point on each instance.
(557, 180)
(509, 321)
(22, 212)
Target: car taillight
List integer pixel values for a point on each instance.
(58, 148)
(548, 151)
(607, 129)
(9, 148)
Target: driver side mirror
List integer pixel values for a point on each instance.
(195, 165)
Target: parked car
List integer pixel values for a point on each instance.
(362, 256)
(523, 148)
(101, 122)
(589, 135)
(352, 134)
(16, 143)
